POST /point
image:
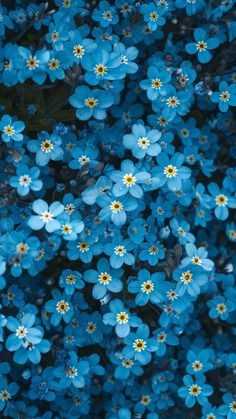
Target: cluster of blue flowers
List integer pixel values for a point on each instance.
(117, 209)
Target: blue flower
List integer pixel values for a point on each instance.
(162, 338)
(173, 103)
(11, 129)
(42, 386)
(47, 148)
(225, 97)
(126, 367)
(148, 287)
(26, 179)
(220, 307)
(70, 280)
(119, 251)
(56, 65)
(105, 279)
(198, 363)
(105, 14)
(221, 201)
(156, 83)
(78, 46)
(120, 318)
(171, 171)
(192, 7)
(100, 65)
(24, 333)
(197, 256)
(5, 21)
(115, 209)
(90, 103)
(34, 65)
(152, 251)
(229, 408)
(142, 141)
(153, 15)
(202, 45)
(7, 391)
(46, 215)
(127, 180)
(138, 345)
(60, 307)
(70, 227)
(195, 390)
(73, 372)
(190, 279)
(180, 229)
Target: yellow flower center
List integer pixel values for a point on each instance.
(172, 295)
(104, 278)
(129, 179)
(78, 51)
(25, 180)
(91, 327)
(21, 332)
(195, 390)
(156, 84)
(83, 247)
(186, 277)
(32, 63)
(147, 287)
(116, 206)
(201, 46)
(67, 3)
(54, 64)
(172, 102)
(107, 15)
(196, 260)
(145, 399)
(225, 96)
(170, 171)
(232, 234)
(221, 308)
(162, 121)
(46, 146)
(233, 406)
(22, 248)
(55, 36)
(4, 395)
(71, 279)
(197, 365)
(90, 102)
(66, 229)
(161, 337)
(143, 143)
(62, 307)
(221, 200)
(153, 250)
(70, 208)
(46, 216)
(72, 372)
(139, 345)
(153, 16)
(119, 250)
(181, 231)
(122, 317)
(127, 363)
(9, 130)
(100, 69)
